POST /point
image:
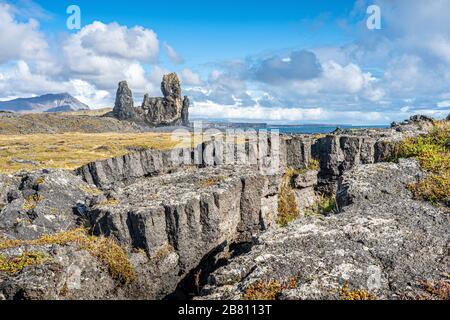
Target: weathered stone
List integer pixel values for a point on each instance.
(305, 180)
(384, 242)
(43, 202)
(305, 198)
(192, 212)
(124, 105)
(418, 123)
(170, 110)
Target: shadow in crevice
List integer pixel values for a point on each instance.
(191, 285)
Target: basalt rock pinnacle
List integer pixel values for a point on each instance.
(170, 110)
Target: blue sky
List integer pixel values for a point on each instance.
(277, 61)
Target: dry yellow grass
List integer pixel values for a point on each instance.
(72, 150)
(104, 249)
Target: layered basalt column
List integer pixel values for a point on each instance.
(170, 110)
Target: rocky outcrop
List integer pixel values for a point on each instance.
(269, 155)
(345, 149)
(170, 110)
(42, 202)
(124, 105)
(418, 123)
(184, 224)
(167, 224)
(384, 243)
(188, 214)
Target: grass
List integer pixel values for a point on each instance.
(72, 150)
(323, 206)
(267, 290)
(433, 153)
(287, 203)
(347, 294)
(16, 264)
(104, 249)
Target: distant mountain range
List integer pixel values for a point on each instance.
(60, 102)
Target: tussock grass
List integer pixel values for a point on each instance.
(104, 249)
(433, 153)
(72, 150)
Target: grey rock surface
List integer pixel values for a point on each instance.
(124, 104)
(385, 243)
(42, 202)
(192, 212)
(170, 110)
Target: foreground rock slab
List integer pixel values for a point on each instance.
(383, 242)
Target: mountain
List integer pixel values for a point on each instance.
(47, 103)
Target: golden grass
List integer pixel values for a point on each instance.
(72, 150)
(287, 204)
(90, 113)
(104, 249)
(16, 264)
(267, 290)
(347, 294)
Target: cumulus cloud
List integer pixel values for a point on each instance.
(20, 81)
(299, 65)
(20, 40)
(191, 78)
(211, 110)
(107, 53)
(92, 62)
(116, 41)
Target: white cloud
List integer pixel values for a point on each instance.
(208, 109)
(20, 40)
(191, 78)
(117, 41)
(443, 104)
(88, 94)
(173, 55)
(105, 54)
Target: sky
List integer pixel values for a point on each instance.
(265, 61)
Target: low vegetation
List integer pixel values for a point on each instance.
(16, 264)
(437, 290)
(104, 249)
(433, 153)
(323, 206)
(206, 183)
(287, 203)
(268, 290)
(347, 294)
(72, 150)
